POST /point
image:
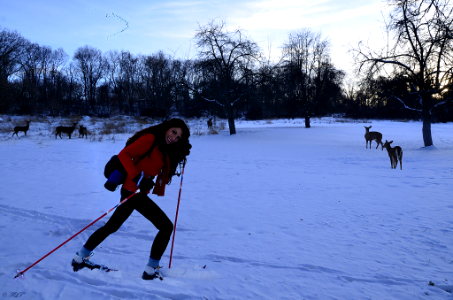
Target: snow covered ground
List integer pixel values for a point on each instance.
(276, 211)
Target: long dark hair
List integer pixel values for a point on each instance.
(177, 152)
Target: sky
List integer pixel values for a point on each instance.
(146, 27)
(276, 211)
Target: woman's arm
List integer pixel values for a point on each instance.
(134, 151)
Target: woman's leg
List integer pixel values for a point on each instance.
(119, 216)
(145, 206)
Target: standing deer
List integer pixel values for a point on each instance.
(83, 131)
(373, 135)
(21, 128)
(65, 129)
(210, 123)
(395, 154)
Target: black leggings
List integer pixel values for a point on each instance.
(145, 206)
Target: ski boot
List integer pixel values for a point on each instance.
(79, 262)
(154, 273)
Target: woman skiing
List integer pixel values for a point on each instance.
(170, 145)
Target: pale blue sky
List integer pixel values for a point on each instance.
(149, 26)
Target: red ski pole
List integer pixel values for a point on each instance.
(176, 217)
(21, 273)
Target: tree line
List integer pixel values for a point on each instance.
(231, 77)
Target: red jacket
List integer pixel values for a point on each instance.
(151, 165)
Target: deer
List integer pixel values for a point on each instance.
(373, 135)
(21, 128)
(210, 123)
(395, 154)
(65, 129)
(83, 131)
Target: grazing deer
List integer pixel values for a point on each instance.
(83, 131)
(395, 154)
(210, 123)
(373, 135)
(65, 129)
(21, 128)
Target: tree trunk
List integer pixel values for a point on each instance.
(231, 123)
(307, 121)
(230, 114)
(427, 138)
(307, 114)
(4, 93)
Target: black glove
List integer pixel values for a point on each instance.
(143, 182)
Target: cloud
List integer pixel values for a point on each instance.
(291, 14)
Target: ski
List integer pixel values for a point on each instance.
(100, 267)
(79, 266)
(20, 274)
(106, 269)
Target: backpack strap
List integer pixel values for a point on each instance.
(147, 152)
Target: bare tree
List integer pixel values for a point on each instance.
(421, 50)
(44, 67)
(157, 82)
(56, 80)
(73, 86)
(115, 78)
(306, 57)
(31, 76)
(131, 69)
(91, 66)
(231, 57)
(12, 48)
